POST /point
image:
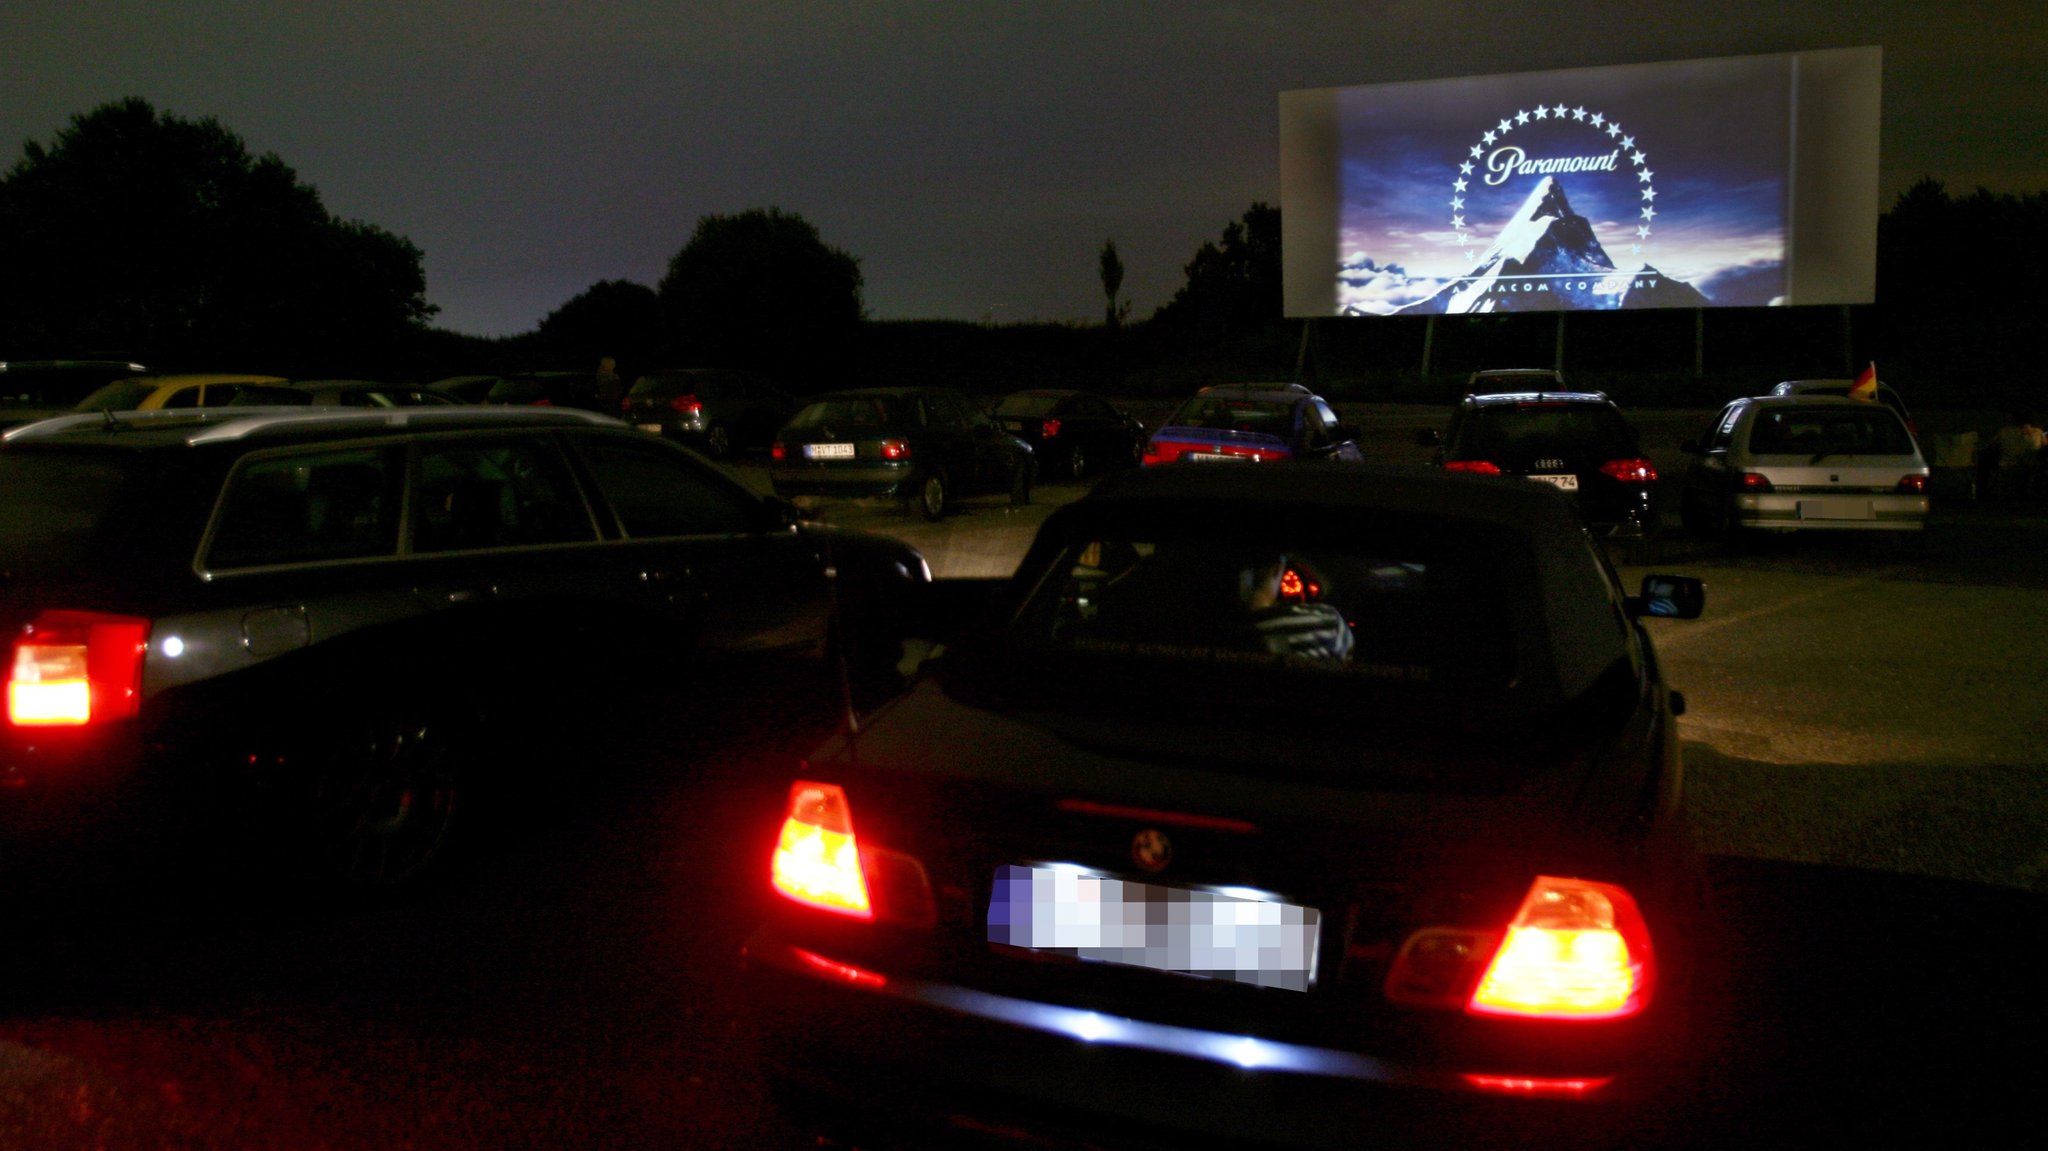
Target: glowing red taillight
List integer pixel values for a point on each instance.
(1915, 484)
(1754, 482)
(1475, 467)
(1049, 429)
(776, 451)
(895, 449)
(71, 668)
(686, 405)
(1637, 471)
(817, 860)
(1577, 950)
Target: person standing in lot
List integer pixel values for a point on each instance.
(2018, 447)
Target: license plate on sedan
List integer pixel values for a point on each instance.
(1213, 458)
(1567, 481)
(1234, 934)
(828, 451)
(655, 428)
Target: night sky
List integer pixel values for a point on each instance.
(973, 155)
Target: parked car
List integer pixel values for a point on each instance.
(370, 394)
(1240, 423)
(302, 637)
(1262, 806)
(31, 390)
(191, 390)
(1886, 395)
(1805, 463)
(1579, 442)
(551, 390)
(713, 410)
(1072, 432)
(924, 446)
(465, 389)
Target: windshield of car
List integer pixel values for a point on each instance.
(1416, 613)
(848, 413)
(119, 396)
(1025, 404)
(1522, 429)
(1242, 415)
(1831, 430)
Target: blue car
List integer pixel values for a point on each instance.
(1252, 423)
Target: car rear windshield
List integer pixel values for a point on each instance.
(1417, 613)
(1543, 428)
(1844, 430)
(848, 413)
(706, 385)
(54, 506)
(1028, 405)
(1219, 414)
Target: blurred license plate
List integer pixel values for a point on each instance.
(828, 451)
(1569, 483)
(655, 428)
(1214, 458)
(1213, 934)
(1014, 425)
(1835, 509)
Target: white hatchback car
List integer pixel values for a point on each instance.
(1805, 462)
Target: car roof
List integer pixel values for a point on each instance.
(1275, 393)
(167, 380)
(1807, 400)
(196, 426)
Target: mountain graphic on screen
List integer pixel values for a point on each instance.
(1547, 259)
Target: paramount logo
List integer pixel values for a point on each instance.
(1510, 161)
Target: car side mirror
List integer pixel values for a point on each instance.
(1668, 597)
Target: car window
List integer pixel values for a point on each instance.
(1524, 428)
(120, 396)
(1093, 408)
(1831, 430)
(1025, 404)
(308, 506)
(845, 413)
(1724, 428)
(1220, 414)
(656, 492)
(948, 411)
(508, 493)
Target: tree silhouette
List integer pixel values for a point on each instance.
(1233, 287)
(164, 239)
(616, 318)
(761, 290)
(1112, 268)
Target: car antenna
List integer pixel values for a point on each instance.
(837, 624)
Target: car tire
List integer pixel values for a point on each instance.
(718, 441)
(385, 797)
(1077, 463)
(932, 496)
(1020, 484)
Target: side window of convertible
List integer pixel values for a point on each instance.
(656, 491)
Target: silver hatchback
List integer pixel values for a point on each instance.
(1804, 462)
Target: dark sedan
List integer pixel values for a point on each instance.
(1072, 433)
(1578, 442)
(924, 447)
(1261, 806)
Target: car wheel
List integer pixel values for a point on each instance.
(1077, 462)
(385, 799)
(718, 441)
(932, 495)
(1020, 484)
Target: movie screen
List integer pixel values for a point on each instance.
(1736, 182)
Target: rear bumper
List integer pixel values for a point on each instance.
(852, 481)
(863, 1048)
(1815, 512)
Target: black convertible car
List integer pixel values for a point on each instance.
(1262, 805)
